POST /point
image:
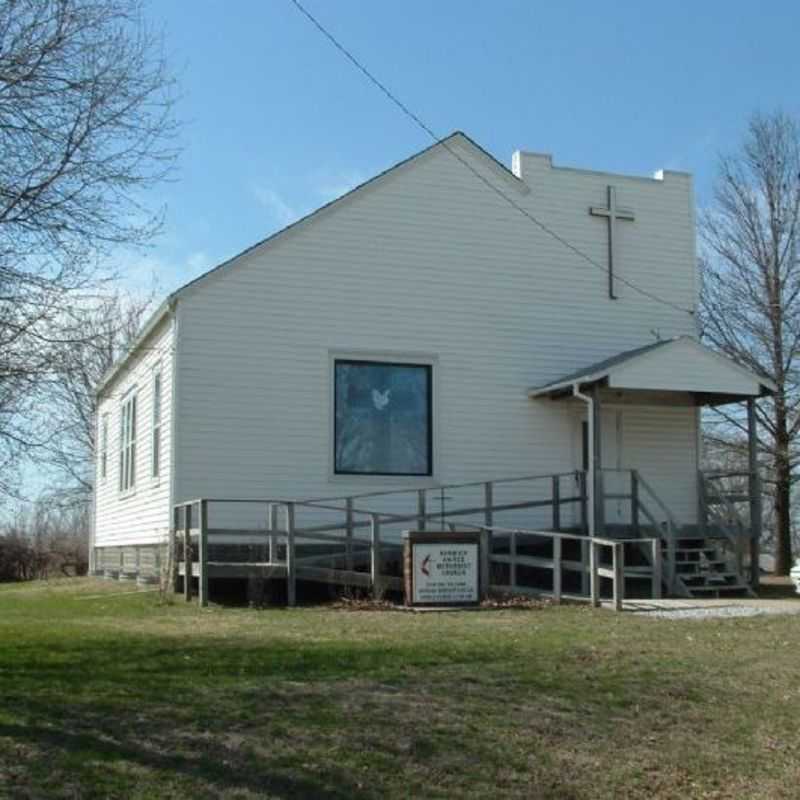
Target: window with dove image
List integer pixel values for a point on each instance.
(382, 418)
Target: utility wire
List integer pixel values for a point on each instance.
(510, 200)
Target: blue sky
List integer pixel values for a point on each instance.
(277, 122)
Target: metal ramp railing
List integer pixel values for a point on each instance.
(336, 540)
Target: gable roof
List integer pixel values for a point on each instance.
(457, 138)
(598, 369)
(652, 366)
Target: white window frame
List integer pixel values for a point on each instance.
(127, 444)
(157, 411)
(103, 447)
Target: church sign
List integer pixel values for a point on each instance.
(441, 569)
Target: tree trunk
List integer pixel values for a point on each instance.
(783, 523)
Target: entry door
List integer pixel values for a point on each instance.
(612, 458)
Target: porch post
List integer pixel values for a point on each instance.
(291, 577)
(172, 553)
(597, 465)
(755, 495)
(187, 552)
(202, 557)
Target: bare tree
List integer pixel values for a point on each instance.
(86, 126)
(109, 327)
(43, 541)
(750, 299)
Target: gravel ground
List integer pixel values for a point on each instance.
(704, 613)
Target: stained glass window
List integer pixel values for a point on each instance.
(382, 418)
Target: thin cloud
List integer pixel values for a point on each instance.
(149, 272)
(332, 185)
(320, 188)
(699, 145)
(198, 262)
(280, 212)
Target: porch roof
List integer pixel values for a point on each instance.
(680, 364)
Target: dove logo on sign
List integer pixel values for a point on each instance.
(380, 399)
(443, 568)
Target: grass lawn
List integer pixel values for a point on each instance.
(123, 697)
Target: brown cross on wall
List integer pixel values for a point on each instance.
(612, 214)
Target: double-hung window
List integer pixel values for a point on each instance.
(156, 444)
(127, 444)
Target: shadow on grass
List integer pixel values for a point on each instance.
(99, 750)
(107, 708)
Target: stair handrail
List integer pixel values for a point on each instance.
(656, 499)
(669, 534)
(734, 540)
(431, 485)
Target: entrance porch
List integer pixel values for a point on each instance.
(705, 553)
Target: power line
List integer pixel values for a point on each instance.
(421, 124)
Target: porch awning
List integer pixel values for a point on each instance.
(672, 365)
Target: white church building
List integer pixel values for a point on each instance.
(402, 353)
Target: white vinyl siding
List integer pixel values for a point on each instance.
(155, 461)
(661, 443)
(426, 261)
(127, 444)
(141, 516)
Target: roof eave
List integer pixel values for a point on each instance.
(553, 388)
(166, 308)
(766, 387)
